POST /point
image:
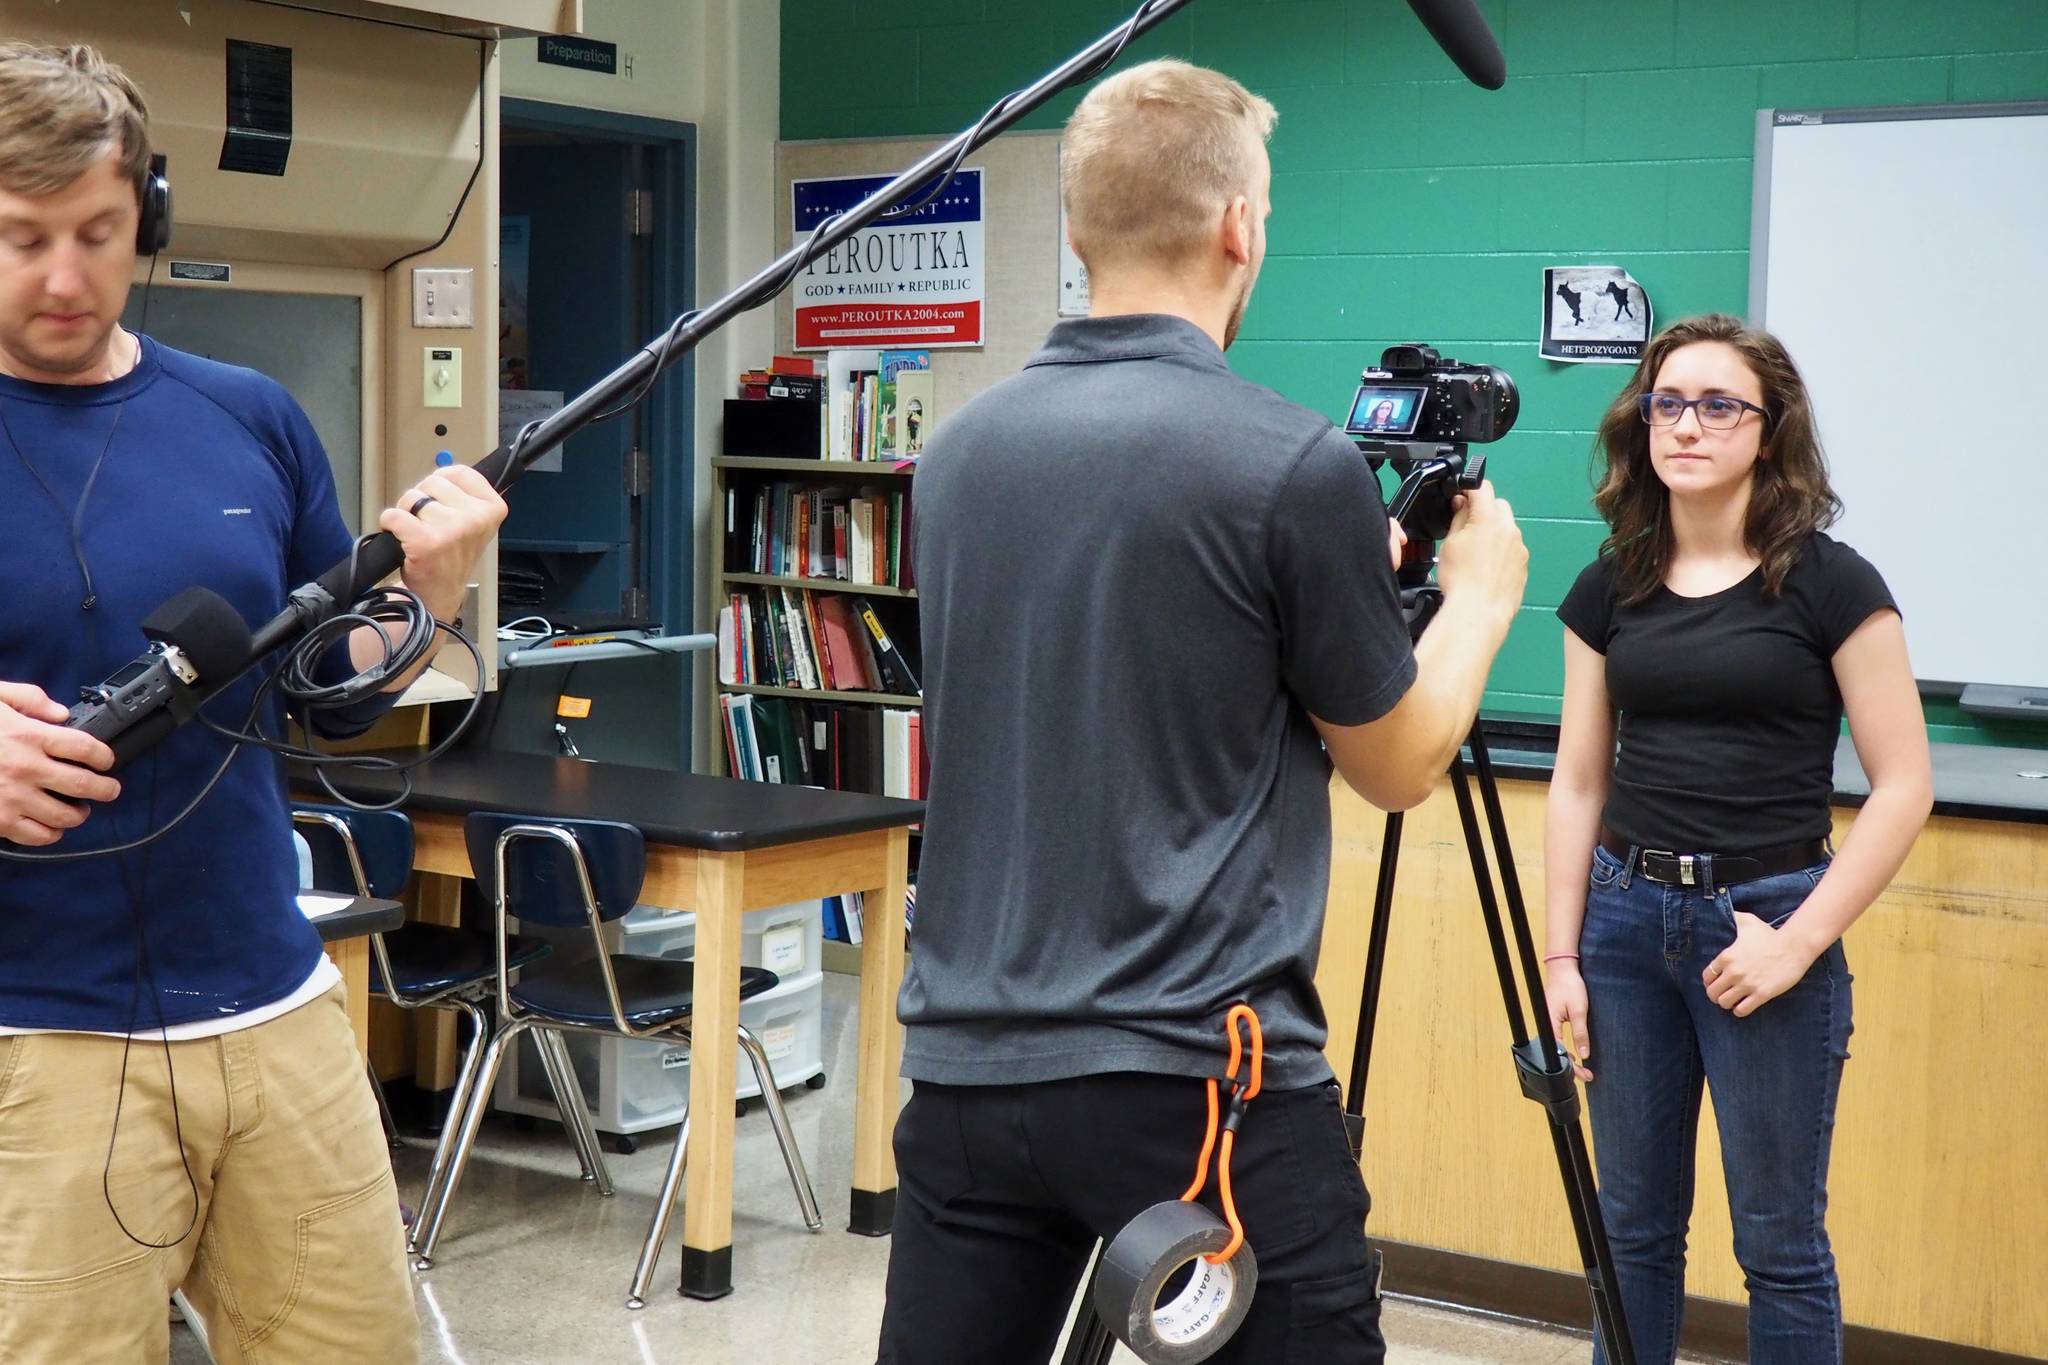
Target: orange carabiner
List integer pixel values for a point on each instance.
(1242, 1092)
(1258, 1048)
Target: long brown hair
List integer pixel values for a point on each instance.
(1789, 497)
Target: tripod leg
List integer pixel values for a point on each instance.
(1545, 1074)
(1603, 1282)
(1563, 1109)
(1511, 890)
(1594, 1253)
(1375, 970)
(1489, 908)
(1090, 1343)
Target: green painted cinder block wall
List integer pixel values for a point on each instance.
(1411, 205)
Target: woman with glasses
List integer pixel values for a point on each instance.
(1695, 906)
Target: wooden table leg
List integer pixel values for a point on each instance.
(714, 1056)
(352, 956)
(881, 1047)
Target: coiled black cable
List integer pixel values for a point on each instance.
(305, 698)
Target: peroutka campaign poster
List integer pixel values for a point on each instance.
(912, 281)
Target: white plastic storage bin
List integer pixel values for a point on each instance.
(786, 939)
(632, 1085)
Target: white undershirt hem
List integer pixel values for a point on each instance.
(326, 976)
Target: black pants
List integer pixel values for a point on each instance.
(1002, 1191)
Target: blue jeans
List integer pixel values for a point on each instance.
(1655, 1037)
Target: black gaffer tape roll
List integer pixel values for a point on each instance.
(1204, 1314)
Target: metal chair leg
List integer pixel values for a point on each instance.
(561, 1072)
(764, 1075)
(565, 1090)
(664, 1210)
(384, 1108)
(458, 1102)
(428, 1225)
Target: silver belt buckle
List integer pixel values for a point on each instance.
(1684, 861)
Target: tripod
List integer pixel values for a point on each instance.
(1430, 477)
(1540, 1064)
(1545, 1072)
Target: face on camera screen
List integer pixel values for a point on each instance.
(1390, 409)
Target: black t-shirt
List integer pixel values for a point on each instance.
(1140, 576)
(1727, 706)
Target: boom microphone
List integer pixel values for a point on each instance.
(207, 628)
(1460, 30)
(198, 644)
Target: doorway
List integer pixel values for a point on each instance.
(596, 249)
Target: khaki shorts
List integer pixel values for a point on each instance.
(295, 1252)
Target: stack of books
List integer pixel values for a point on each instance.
(794, 530)
(813, 641)
(841, 746)
(845, 916)
(866, 406)
(881, 404)
(787, 376)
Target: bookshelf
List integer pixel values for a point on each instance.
(827, 584)
(822, 694)
(860, 469)
(739, 485)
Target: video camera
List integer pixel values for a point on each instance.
(1417, 412)
(1417, 395)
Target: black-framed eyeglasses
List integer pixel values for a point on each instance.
(1717, 411)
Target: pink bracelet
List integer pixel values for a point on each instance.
(1552, 957)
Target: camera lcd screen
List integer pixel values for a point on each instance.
(1386, 410)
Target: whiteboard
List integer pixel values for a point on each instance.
(1902, 257)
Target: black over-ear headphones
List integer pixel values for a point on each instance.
(153, 228)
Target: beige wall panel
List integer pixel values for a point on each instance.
(482, 18)
(1940, 1178)
(384, 125)
(409, 425)
(662, 57)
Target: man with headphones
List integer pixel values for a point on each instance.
(181, 1099)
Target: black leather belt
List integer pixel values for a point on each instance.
(1717, 869)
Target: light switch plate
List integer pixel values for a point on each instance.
(443, 298)
(441, 377)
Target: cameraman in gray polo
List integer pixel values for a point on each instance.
(1157, 606)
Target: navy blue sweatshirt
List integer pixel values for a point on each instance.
(213, 476)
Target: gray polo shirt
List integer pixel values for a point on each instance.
(1139, 576)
